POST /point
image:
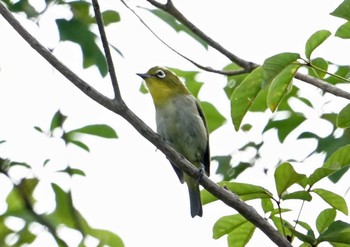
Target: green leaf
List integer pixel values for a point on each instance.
(286, 176)
(14, 201)
(278, 211)
(325, 218)
(78, 32)
(329, 144)
(38, 129)
(280, 86)
(247, 191)
(81, 11)
(318, 174)
(274, 65)
(27, 186)
(57, 120)
(342, 71)
(343, 10)
(282, 225)
(338, 232)
(315, 40)
(143, 89)
(244, 95)
(303, 237)
(110, 16)
(304, 225)
(79, 144)
(207, 197)
(319, 66)
(72, 171)
(224, 165)
(285, 126)
(336, 201)
(227, 224)
(266, 205)
(214, 118)
(343, 119)
(305, 245)
(177, 26)
(190, 80)
(343, 31)
(241, 235)
(340, 158)
(24, 237)
(106, 238)
(64, 211)
(244, 191)
(233, 80)
(301, 195)
(23, 6)
(225, 169)
(336, 176)
(101, 130)
(238, 229)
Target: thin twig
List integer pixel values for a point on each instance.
(170, 8)
(205, 68)
(107, 51)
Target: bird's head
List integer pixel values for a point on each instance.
(163, 84)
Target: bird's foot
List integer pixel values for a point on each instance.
(200, 176)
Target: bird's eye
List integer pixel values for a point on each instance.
(160, 74)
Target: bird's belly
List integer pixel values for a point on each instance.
(185, 132)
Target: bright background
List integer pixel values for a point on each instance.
(130, 187)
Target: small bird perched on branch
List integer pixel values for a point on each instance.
(181, 122)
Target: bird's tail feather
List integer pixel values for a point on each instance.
(195, 199)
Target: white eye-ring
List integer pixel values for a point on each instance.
(160, 74)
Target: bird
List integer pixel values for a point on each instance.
(182, 124)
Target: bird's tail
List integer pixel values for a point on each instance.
(195, 198)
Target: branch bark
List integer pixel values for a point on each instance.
(120, 108)
(247, 66)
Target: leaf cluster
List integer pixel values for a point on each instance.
(21, 199)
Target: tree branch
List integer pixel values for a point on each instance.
(107, 51)
(120, 108)
(246, 65)
(170, 8)
(329, 88)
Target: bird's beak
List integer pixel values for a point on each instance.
(144, 76)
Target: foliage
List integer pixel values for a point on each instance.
(21, 199)
(266, 88)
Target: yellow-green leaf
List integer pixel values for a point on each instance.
(280, 86)
(315, 40)
(343, 119)
(336, 201)
(244, 95)
(286, 176)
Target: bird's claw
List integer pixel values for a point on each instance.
(200, 176)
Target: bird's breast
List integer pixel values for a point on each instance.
(179, 123)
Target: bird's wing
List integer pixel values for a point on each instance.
(206, 156)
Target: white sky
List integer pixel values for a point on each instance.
(130, 188)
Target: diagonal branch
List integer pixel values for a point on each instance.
(247, 66)
(120, 108)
